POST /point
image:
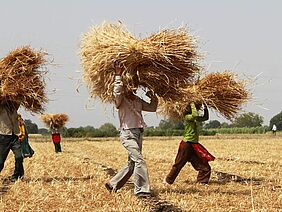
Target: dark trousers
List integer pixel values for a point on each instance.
(7, 143)
(186, 153)
(58, 147)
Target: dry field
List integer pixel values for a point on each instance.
(247, 176)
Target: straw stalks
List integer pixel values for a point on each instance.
(165, 62)
(59, 120)
(161, 62)
(20, 78)
(219, 91)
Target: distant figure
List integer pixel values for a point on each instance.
(274, 129)
(190, 150)
(56, 137)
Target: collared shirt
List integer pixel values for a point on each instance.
(130, 110)
(8, 121)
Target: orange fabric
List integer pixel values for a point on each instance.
(21, 127)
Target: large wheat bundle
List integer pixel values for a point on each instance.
(160, 62)
(219, 91)
(20, 78)
(59, 120)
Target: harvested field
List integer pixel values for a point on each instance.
(247, 176)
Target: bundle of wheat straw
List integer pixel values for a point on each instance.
(47, 119)
(163, 61)
(20, 78)
(59, 120)
(219, 91)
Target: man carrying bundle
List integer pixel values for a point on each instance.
(190, 150)
(56, 136)
(9, 129)
(55, 122)
(130, 109)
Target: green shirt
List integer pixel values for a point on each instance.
(191, 121)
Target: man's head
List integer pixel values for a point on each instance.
(198, 105)
(56, 126)
(12, 106)
(188, 109)
(131, 94)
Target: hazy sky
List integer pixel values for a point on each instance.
(242, 35)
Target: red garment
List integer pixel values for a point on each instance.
(186, 153)
(56, 138)
(202, 152)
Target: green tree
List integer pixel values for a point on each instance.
(169, 124)
(277, 120)
(248, 120)
(31, 128)
(225, 125)
(212, 124)
(108, 129)
(43, 131)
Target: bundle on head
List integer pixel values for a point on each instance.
(20, 78)
(219, 91)
(47, 119)
(58, 120)
(161, 62)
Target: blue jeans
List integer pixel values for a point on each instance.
(131, 139)
(7, 143)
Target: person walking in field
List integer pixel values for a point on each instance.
(56, 136)
(190, 150)
(55, 122)
(130, 109)
(9, 140)
(274, 128)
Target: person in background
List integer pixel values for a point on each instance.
(27, 151)
(9, 128)
(56, 136)
(274, 129)
(130, 109)
(190, 150)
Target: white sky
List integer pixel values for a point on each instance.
(242, 35)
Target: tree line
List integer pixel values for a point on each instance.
(247, 123)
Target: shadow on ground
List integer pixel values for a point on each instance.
(223, 177)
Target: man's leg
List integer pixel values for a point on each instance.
(141, 176)
(129, 139)
(56, 147)
(17, 150)
(122, 176)
(59, 147)
(181, 159)
(203, 168)
(4, 149)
